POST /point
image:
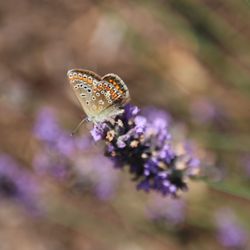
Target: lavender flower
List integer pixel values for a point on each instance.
(63, 156)
(59, 146)
(230, 232)
(171, 211)
(203, 110)
(48, 130)
(96, 169)
(57, 167)
(46, 126)
(17, 184)
(144, 145)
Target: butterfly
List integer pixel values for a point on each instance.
(100, 97)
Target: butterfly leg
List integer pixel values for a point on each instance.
(79, 125)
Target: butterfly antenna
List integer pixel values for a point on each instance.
(78, 126)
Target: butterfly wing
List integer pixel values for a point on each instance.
(113, 95)
(82, 82)
(118, 86)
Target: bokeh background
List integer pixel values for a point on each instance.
(190, 58)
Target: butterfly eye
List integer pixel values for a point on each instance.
(85, 77)
(80, 75)
(70, 75)
(75, 74)
(83, 95)
(89, 90)
(93, 98)
(97, 94)
(76, 86)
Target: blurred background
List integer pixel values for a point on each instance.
(190, 58)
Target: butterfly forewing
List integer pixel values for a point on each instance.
(82, 83)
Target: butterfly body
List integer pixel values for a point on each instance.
(100, 97)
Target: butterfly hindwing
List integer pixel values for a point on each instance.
(119, 85)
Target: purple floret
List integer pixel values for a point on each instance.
(230, 233)
(18, 185)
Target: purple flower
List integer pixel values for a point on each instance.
(44, 164)
(140, 124)
(46, 127)
(120, 143)
(191, 159)
(144, 145)
(96, 172)
(64, 156)
(107, 179)
(203, 110)
(17, 184)
(207, 112)
(48, 131)
(230, 233)
(171, 211)
(157, 116)
(97, 131)
(65, 144)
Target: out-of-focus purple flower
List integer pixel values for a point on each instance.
(107, 179)
(57, 167)
(230, 233)
(17, 184)
(96, 171)
(46, 126)
(203, 110)
(65, 144)
(145, 146)
(83, 142)
(207, 112)
(47, 130)
(191, 159)
(157, 116)
(172, 211)
(63, 155)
